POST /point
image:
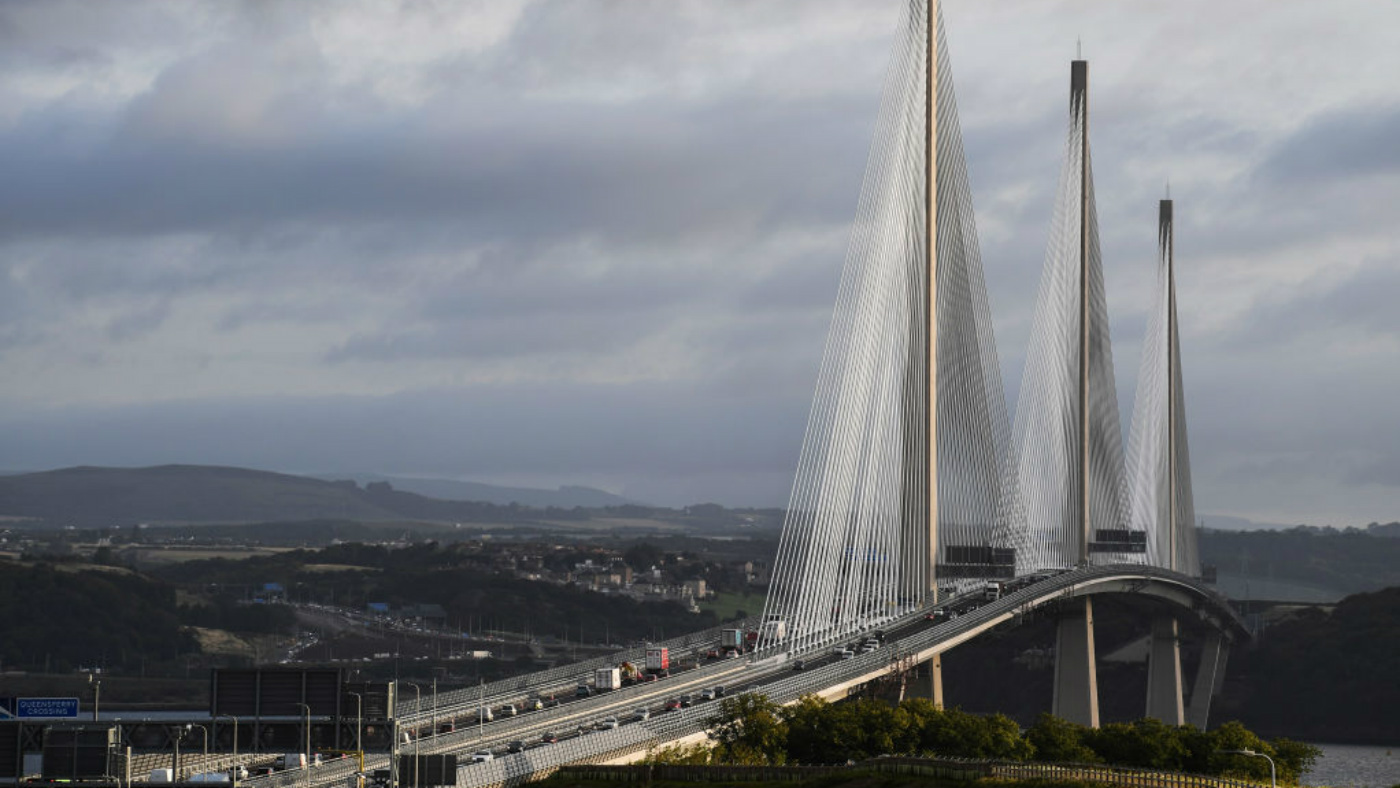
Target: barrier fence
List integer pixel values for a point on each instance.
(947, 768)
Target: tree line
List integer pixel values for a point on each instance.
(750, 729)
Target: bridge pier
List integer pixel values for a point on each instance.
(926, 681)
(1076, 672)
(1164, 699)
(1210, 674)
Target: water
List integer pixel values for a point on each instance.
(1355, 766)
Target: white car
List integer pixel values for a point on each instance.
(707, 694)
(482, 757)
(642, 712)
(608, 723)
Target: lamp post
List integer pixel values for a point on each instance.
(417, 712)
(204, 758)
(233, 773)
(96, 694)
(306, 766)
(1273, 773)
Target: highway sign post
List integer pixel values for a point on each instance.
(34, 708)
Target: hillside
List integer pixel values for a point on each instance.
(566, 497)
(90, 497)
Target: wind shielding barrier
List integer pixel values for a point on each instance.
(859, 544)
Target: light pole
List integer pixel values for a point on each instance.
(417, 712)
(306, 765)
(96, 694)
(204, 759)
(435, 730)
(233, 773)
(1273, 773)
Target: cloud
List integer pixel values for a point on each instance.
(599, 242)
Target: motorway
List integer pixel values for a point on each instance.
(912, 638)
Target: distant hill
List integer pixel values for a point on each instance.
(87, 497)
(566, 497)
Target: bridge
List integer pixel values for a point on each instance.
(920, 509)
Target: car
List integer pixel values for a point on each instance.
(731, 654)
(608, 723)
(649, 677)
(446, 727)
(484, 715)
(799, 664)
(687, 701)
(846, 653)
(672, 704)
(509, 710)
(707, 694)
(719, 691)
(548, 738)
(583, 691)
(483, 757)
(552, 703)
(515, 746)
(712, 654)
(642, 713)
(534, 704)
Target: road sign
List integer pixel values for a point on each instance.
(30, 708)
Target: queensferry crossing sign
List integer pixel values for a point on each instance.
(39, 708)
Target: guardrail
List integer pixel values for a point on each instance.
(563, 676)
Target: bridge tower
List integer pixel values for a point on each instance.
(902, 472)
(1067, 440)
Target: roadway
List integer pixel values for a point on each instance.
(575, 723)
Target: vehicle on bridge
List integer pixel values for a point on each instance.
(607, 679)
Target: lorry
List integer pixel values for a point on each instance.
(607, 678)
(774, 630)
(731, 640)
(658, 659)
(290, 760)
(992, 591)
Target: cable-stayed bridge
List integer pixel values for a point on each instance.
(916, 495)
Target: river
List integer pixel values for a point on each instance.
(1355, 766)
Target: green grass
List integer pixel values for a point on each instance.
(726, 605)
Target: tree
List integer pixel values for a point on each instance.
(750, 729)
(1294, 758)
(1059, 741)
(1146, 743)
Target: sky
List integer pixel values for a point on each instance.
(598, 242)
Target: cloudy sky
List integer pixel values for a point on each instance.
(597, 242)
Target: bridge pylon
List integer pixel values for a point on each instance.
(902, 471)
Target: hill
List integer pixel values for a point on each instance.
(565, 497)
(91, 497)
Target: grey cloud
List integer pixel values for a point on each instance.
(1349, 143)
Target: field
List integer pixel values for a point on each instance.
(728, 605)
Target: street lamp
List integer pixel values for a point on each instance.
(233, 773)
(417, 712)
(306, 765)
(204, 759)
(1273, 774)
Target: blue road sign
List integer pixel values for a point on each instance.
(30, 708)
